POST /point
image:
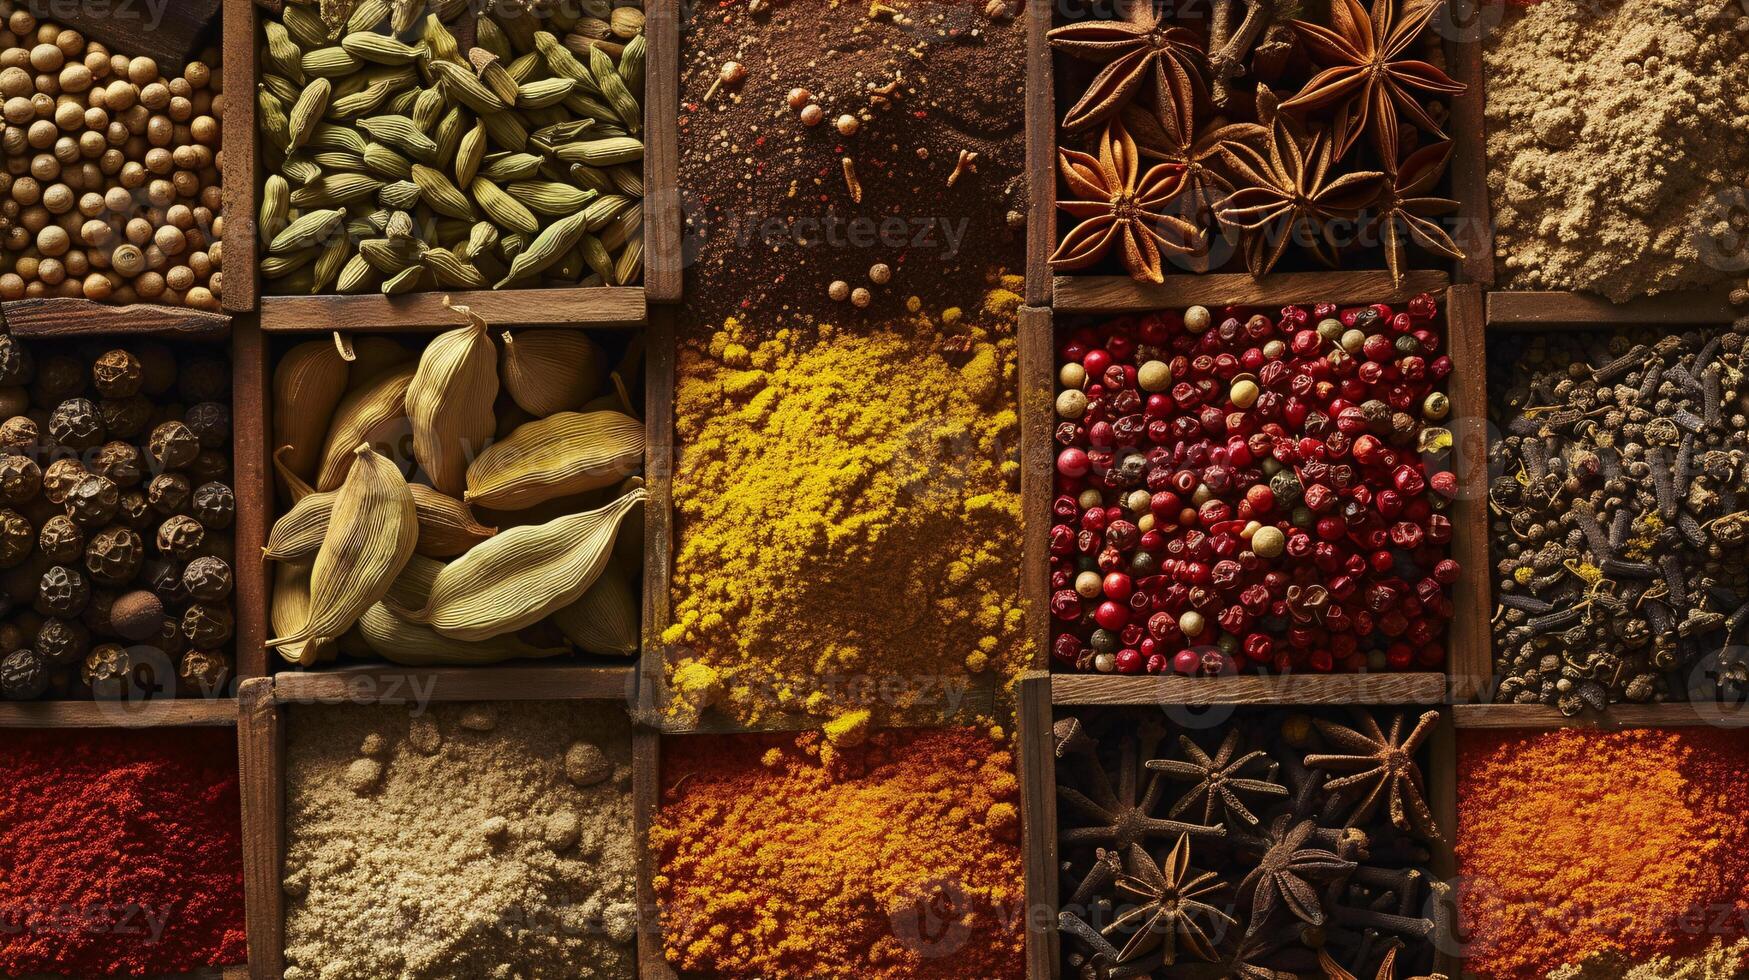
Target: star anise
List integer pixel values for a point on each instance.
(1120, 815)
(1387, 968)
(1113, 206)
(1168, 132)
(1218, 779)
(1367, 80)
(1283, 876)
(1135, 49)
(1404, 215)
(1382, 766)
(1171, 901)
(1286, 194)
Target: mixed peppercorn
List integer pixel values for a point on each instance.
(1240, 491)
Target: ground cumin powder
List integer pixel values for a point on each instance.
(462, 840)
(1604, 852)
(848, 516)
(1615, 144)
(782, 859)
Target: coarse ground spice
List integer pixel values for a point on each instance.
(1578, 843)
(785, 859)
(460, 840)
(1720, 961)
(1616, 157)
(769, 214)
(848, 516)
(121, 852)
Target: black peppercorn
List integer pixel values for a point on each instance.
(16, 537)
(96, 614)
(205, 379)
(62, 641)
(166, 581)
(93, 501)
(76, 424)
(60, 540)
(169, 493)
(210, 466)
(207, 579)
(60, 477)
(20, 433)
(214, 505)
(16, 366)
(107, 670)
(211, 423)
(117, 374)
(137, 615)
(114, 555)
(58, 378)
(118, 462)
(180, 537)
(126, 418)
(20, 479)
(62, 592)
(172, 445)
(204, 671)
(133, 509)
(23, 676)
(207, 626)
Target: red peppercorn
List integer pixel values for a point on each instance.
(1096, 361)
(1072, 462)
(1111, 615)
(1117, 586)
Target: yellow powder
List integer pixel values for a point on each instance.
(848, 517)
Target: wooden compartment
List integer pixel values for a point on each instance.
(1468, 662)
(599, 305)
(262, 725)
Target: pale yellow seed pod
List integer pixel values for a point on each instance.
(550, 371)
(415, 645)
(449, 402)
(373, 412)
(308, 383)
(560, 455)
(606, 619)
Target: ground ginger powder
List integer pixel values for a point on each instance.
(848, 517)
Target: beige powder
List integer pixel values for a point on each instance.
(1717, 963)
(1616, 150)
(487, 840)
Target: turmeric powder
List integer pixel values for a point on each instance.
(1578, 847)
(783, 859)
(848, 517)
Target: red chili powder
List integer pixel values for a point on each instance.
(1576, 842)
(120, 852)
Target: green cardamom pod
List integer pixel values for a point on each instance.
(307, 112)
(548, 247)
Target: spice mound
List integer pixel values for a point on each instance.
(1282, 843)
(459, 840)
(1242, 493)
(1616, 158)
(846, 506)
(783, 857)
(1621, 846)
(1619, 519)
(122, 852)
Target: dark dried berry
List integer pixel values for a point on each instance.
(205, 379)
(205, 672)
(170, 640)
(166, 581)
(169, 493)
(180, 537)
(137, 615)
(210, 466)
(117, 374)
(211, 422)
(19, 432)
(16, 537)
(93, 501)
(133, 509)
(207, 579)
(114, 555)
(96, 614)
(16, 365)
(62, 641)
(157, 365)
(118, 462)
(60, 540)
(60, 478)
(126, 418)
(20, 479)
(172, 445)
(215, 505)
(76, 424)
(62, 592)
(58, 378)
(207, 626)
(23, 676)
(107, 669)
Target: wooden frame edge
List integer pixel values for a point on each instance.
(252, 474)
(169, 713)
(261, 756)
(1038, 819)
(1111, 295)
(658, 514)
(1093, 690)
(1040, 161)
(646, 798)
(1526, 310)
(664, 260)
(1037, 475)
(391, 684)
(1469, 134)
(60, 317)
(579, 307)
(241, 280)
(1469, 652)
(1668, 714)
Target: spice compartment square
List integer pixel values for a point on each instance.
(1185, 129)
(1159, 434)
(512, 148)
(497, 457)
(1127, 802)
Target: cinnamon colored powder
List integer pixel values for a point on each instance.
(1575, 845)
(785, 858)
(120, 852)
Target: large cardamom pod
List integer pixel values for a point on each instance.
(446, 527)
(371, 413)
(560, 455)
(367, 357)
(523, 574)
(416, 645)
(370, 537)
(605, 620)
(290, 611)
(550, 371)
(449, 402)
(307, 385)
